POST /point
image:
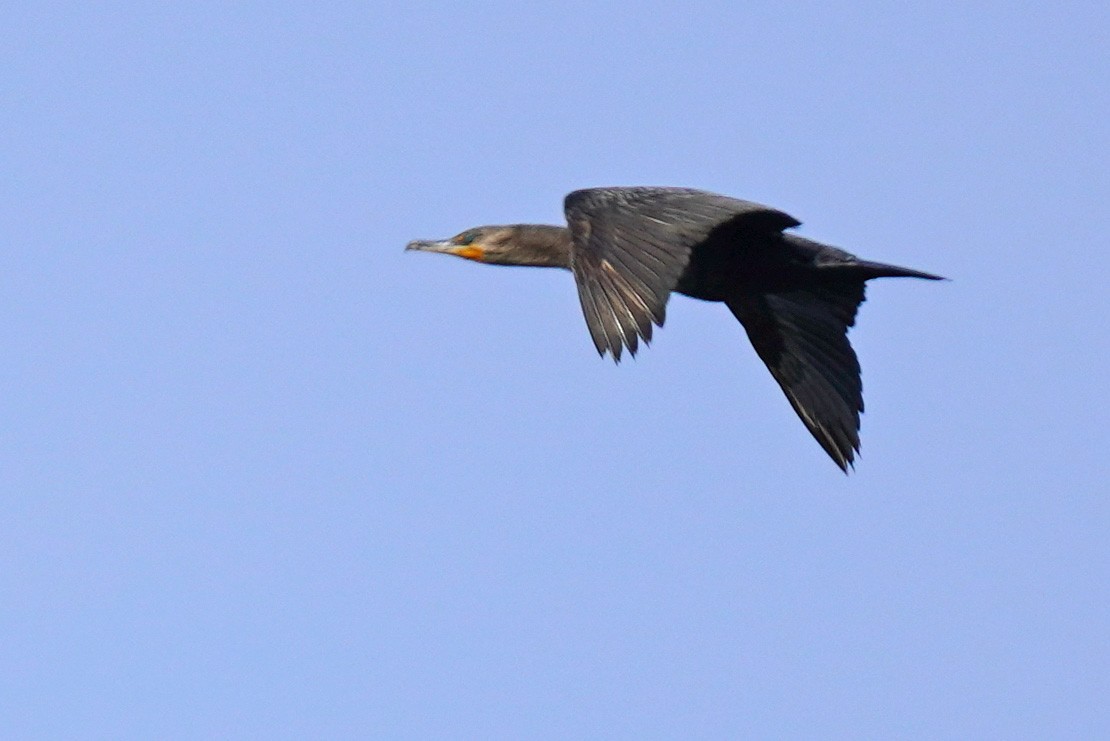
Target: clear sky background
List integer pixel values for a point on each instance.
(266, 475)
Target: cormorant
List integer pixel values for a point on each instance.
(630, 247)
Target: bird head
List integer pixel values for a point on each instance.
(517, 244)
(491, 244)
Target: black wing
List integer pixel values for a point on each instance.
(631, 246)
(802, 336)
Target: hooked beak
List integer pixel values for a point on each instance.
(430, 245)
(446, 247)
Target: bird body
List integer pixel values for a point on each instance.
(629, 248)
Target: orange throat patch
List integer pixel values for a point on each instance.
(471, 253)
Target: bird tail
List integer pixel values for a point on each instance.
(866, 270)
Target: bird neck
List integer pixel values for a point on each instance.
(541, 245)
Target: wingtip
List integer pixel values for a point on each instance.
(849, 465)
(846, 465)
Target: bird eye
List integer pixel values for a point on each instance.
(466, 238)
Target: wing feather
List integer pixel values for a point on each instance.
(802, 337)
(631, 247)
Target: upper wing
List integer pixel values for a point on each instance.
(631, 246)
(802, 336)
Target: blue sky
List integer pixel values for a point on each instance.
(266, 475)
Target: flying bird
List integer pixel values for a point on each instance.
(629, 248)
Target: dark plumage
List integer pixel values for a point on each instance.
(629, 248)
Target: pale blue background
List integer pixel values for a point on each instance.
(265, 475)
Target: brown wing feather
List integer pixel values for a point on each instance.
(631, 246)
(802, 336)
